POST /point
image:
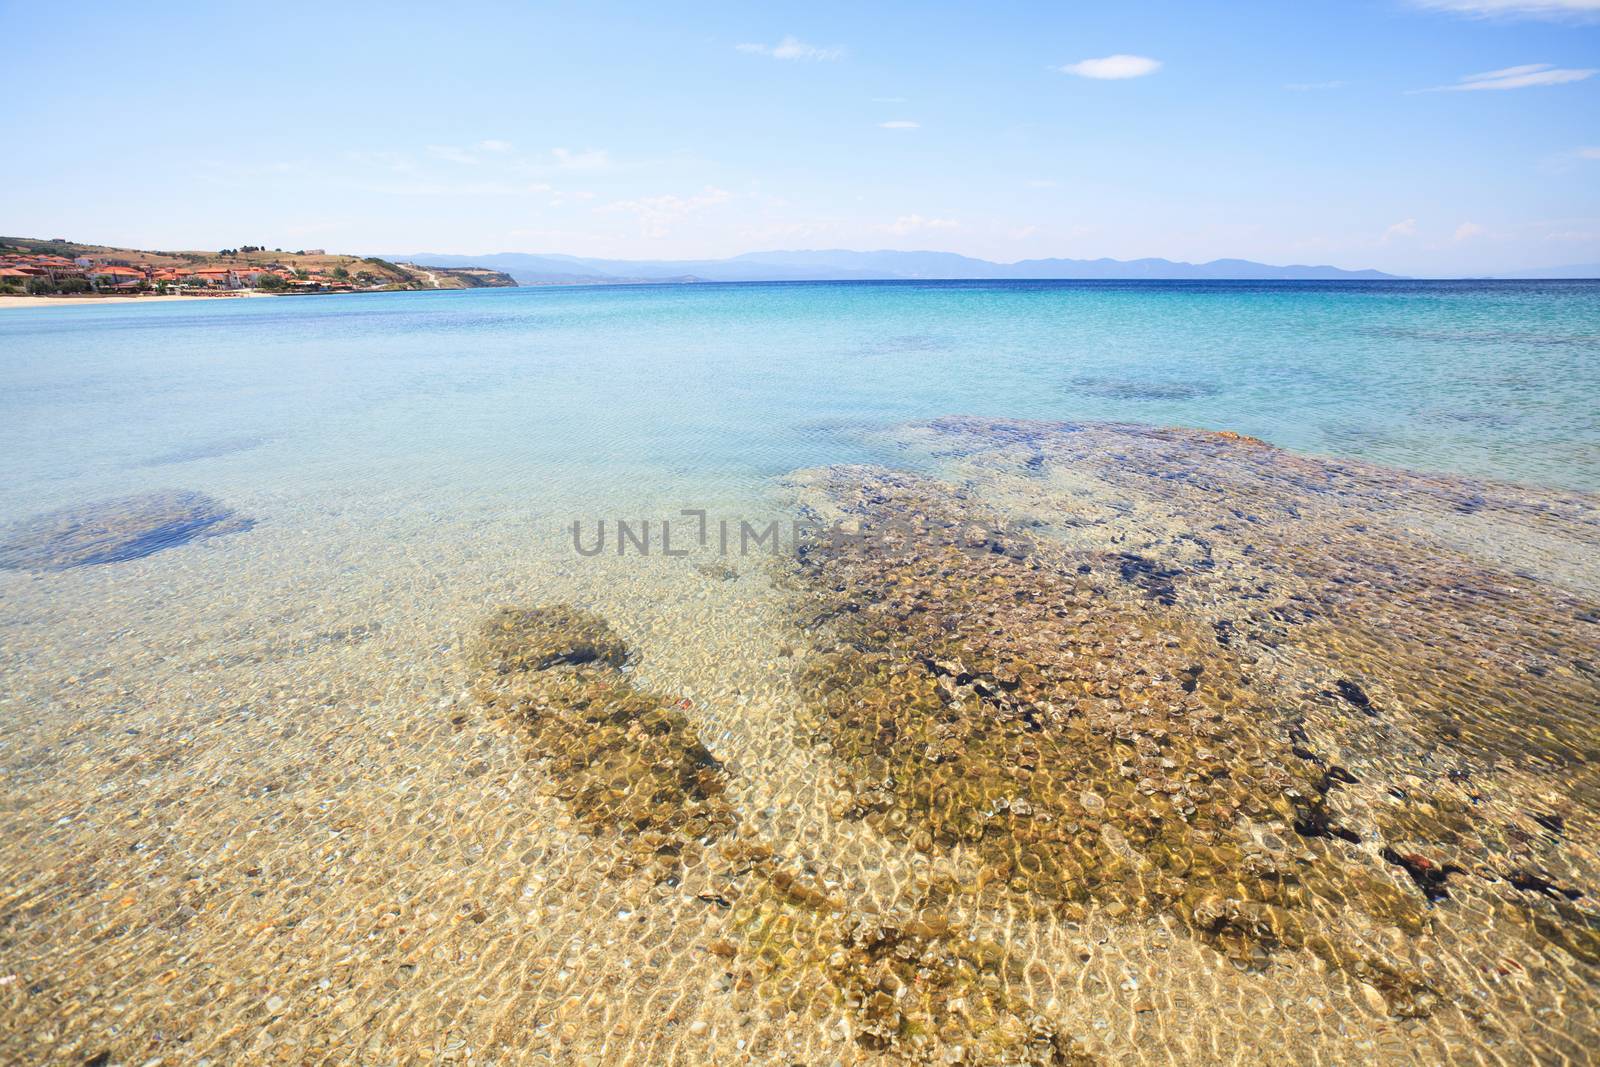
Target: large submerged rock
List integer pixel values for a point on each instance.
(1295, 703)
(622, 758)
(113, 531)
(630, 764)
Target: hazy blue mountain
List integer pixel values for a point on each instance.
(846, 265)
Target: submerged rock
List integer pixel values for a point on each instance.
(917, 986)
(113, 531)
(630, 763)
(1411, 683)
(1134, 389)
(1037, 710)
(623, 759)
(533, 639)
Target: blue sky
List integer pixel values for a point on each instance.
(1417, 136)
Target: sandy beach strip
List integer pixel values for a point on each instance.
(92, 301)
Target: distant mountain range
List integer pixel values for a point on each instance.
(843, 265)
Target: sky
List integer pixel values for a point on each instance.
(1421, 137)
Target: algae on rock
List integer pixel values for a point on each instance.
(1028, 705)
(512, 640)
(629, 762)
(623, 759)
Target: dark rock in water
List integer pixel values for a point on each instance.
(113, 531)
(1338, 774)
(1532, 882)
(1554, 823)
(1354, 694)
(1429, 877)
(1148, 575)
(1312, 820)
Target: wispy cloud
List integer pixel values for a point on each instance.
(1468, 230)
(1545, 9)
(1589, 153)
(1312, 87)
(1573, 236)
(906, 224)
(656, 214)
(793, 48)
(1523, 77)
(901, 124)
(492, 145)
(1113, 67)
(1403, 228)
(1042, 183)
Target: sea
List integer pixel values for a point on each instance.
(1225, 681)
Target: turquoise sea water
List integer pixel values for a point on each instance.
(622, 392)
(262, 796)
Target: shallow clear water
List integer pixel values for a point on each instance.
(279, 782)
(556, 393)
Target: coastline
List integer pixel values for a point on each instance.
(54, 301)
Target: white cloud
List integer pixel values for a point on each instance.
(1312, 87)
(1042, 183)
(913, 223)
(656, 214)
(1113, 67)
(588, 159)
(492, 145)
(1523, 77)
(1468, 230)
(793, 48)
(1514, 8)
(1589, 153)
(901, 124)
(1403, 228)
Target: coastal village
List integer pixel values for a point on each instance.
(59, 268)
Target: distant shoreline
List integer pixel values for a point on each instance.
(92, 298)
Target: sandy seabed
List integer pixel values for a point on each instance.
(255, 808)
